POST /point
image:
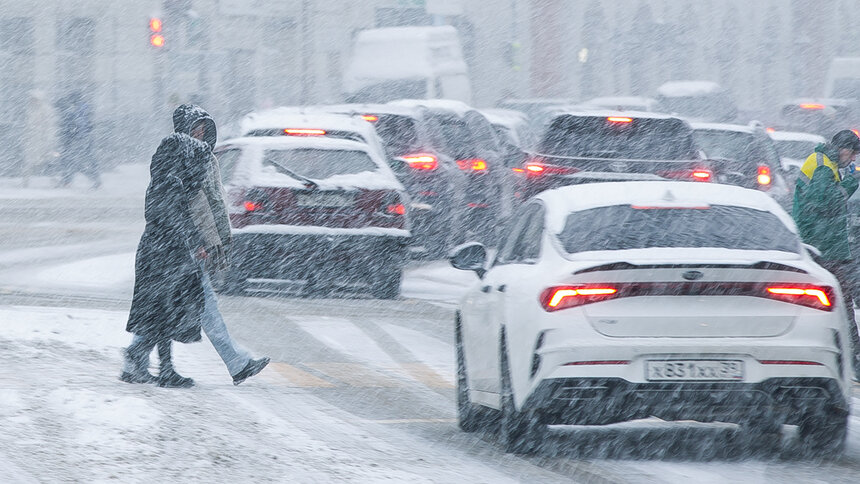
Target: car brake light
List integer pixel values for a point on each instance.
(396, 209)
(771, 130)
(810, 296)
(421, 161)
(790, 362)
(371, 118)
(856, 131)
(304, 132)
(764, 178)
(252, 206)
(815, 106)
(563, 297)
(598, 362)
(535, 169)
(472, 164)
(701, 175)
(619, 119)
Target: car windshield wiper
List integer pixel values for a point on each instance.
(286, 171)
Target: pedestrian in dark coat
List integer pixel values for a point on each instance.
(168, 294)
(76, 139)
(174, 296)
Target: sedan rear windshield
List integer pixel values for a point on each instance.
(796, 150)
(398, 133)
(621, 227)
(600, 137)
(320, 164)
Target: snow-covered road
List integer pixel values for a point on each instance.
(359, 390)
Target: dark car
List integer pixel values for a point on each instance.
(315, 211)
(464, 134)
(746, 157)
(433, 179)
(588, 146)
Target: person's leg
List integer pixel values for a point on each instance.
(167, 376)
(843, 270)
(234, 356)
(136, 365)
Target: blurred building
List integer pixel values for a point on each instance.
(233, 56)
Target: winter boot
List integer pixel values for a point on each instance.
(136, 370)
(168, 378)
(252, 368)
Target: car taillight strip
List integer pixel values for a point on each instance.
(598, 362)
(562, 297)
(790, 362)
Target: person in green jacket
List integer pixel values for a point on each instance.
(827, 181)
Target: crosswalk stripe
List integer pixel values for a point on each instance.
(298, 378)
(426, 375)
(355, 375)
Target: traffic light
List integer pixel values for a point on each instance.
(156, 38)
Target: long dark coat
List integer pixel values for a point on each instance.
(168, 290)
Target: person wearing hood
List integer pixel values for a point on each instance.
(828, 179)
(187, 237)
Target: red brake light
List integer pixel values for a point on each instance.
(371, 118)
(398, 209)
(157, 40)
(421, 161)
(815, 297)
(856, 131)
(563, 297)
(472, 164)
(252, 206)
(764, 178)
(155, 24)
(619, 119)
(702, 175)
(699, 174)
(304, 132)
(771, 130)
(812, 106)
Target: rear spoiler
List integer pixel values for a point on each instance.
(623, 266)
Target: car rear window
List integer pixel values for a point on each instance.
(744, 148)
(398, 133)
(598, 137)
(320, 164)
(453, 137)
(621, 227)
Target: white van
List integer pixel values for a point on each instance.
(407, 63)
(843, 78)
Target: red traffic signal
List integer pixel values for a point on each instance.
(156, 38)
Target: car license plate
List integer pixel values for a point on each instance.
(324, 200)
(667, 370)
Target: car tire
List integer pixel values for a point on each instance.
(386, 283)
(468, 416)
(823, 434)
(519, 432)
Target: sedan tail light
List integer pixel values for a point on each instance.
(252, 206)
(698, 174)
(563, 297)
(472, 164)
(421, 161)
(808, 295)
(816, 297)
(764, 178)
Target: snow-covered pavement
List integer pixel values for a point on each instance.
(359, 390)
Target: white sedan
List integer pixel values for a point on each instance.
(611, 302)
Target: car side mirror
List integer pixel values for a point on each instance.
(471, 256)
(813, 251)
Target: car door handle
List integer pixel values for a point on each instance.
(486, 289)
(502, 288)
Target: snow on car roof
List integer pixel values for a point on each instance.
(294, 117)
(505, 117)
(253, 147)
(687, 88)
(738, 128)
(597, 112)
(797, 136)
(609, 101)
(562, 201)
(458, 107)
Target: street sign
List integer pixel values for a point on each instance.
(445, 7)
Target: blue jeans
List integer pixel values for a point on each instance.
(234, 356)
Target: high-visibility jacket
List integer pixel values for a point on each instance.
(821, 204)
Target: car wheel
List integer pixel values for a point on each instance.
(386, 284)
(519, 432)
(468, 417)
(824, 435)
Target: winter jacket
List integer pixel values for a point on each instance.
(217, 238)
(821, 204)
(168, 291)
